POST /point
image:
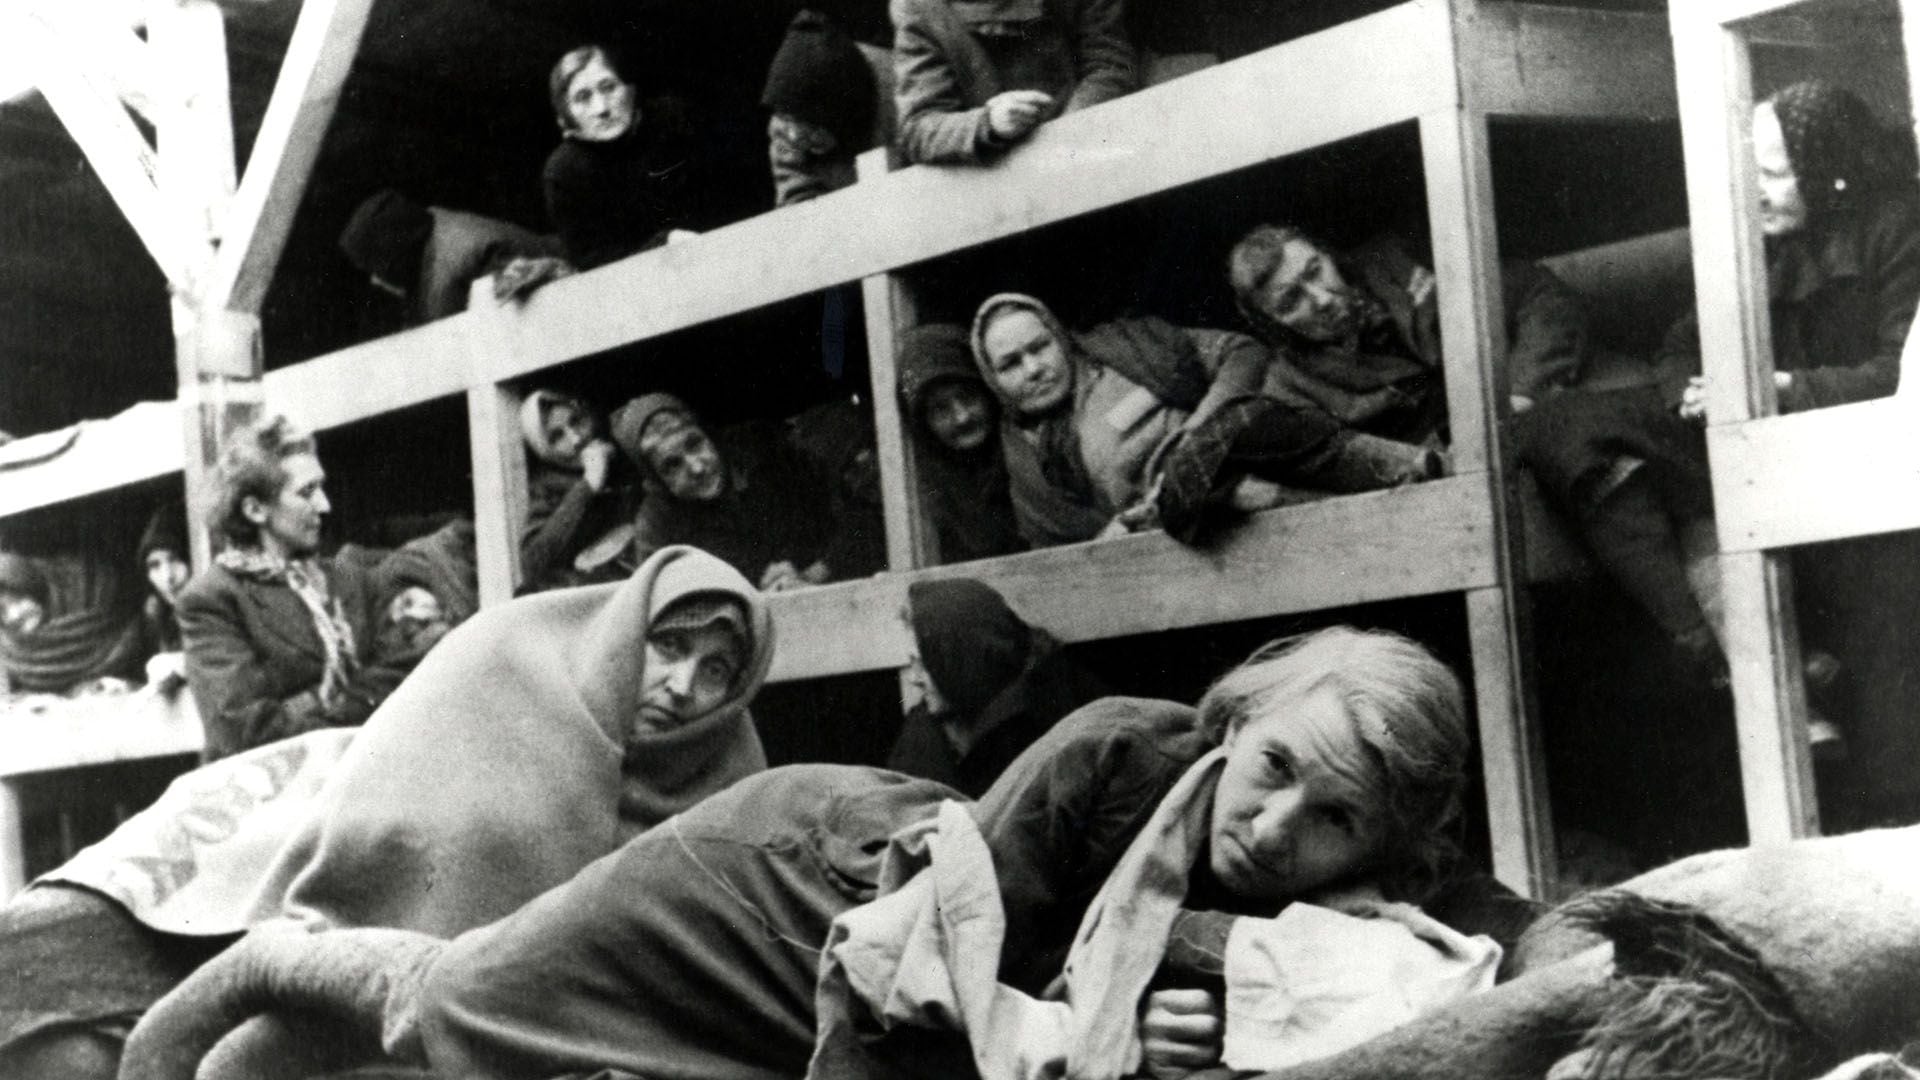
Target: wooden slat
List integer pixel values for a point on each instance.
(1769, 699)
(379, 376)
(1851, 470)
(89, 106)
(1536, 60)
(138, 444)
(193, 114)
(1472, 331)
(1415, 541)
(1715, 13)
(312, 72)
(499, 488)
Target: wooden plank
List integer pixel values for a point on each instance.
(90, 108)
(1828, 474)
(1537, 60)
(378, 376)
(499, 488)
(1185, 130)
(890, 312)
(312, 73)
(193, 116)
(13, 839)
(138, 444)
(1769, 699)
(1711, 14)
(1473, 337)
(1414, 541)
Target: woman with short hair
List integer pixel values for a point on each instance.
(1330, 765)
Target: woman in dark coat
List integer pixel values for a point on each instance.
(579, 505)
(956, 424)
(990, 685)
(623, 178)
(1842, 229)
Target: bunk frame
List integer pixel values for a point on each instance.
(1457, 62)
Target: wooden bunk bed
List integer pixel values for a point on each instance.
(1456, 63)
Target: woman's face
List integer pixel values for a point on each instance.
(167, 572)
(959, 415)
(1299, 802)
(568, 429)
(688, 672)
(599, 103)
(1028, 363)
(1782, 210)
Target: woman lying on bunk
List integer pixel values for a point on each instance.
(537, 737)
(1137, 423)
(757, 930)
(580, 506)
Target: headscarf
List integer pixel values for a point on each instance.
(441, 562)
(1833, 143)
(931, 354)
(971, 642)
(165, 531)
(386, 237)
(1060, 458)
(533, 425)
(500, 767)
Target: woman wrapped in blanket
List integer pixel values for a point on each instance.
(535, 738)
(1327, 765)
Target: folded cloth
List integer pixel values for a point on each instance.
(926, 953)
(1313, 981)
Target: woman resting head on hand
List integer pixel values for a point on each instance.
(1327, 766)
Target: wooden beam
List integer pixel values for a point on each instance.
(1716, 13)
(138, 444)
(1466, 259)
(1769, 698)
(1827, 474)
(90, 108)
(890, 312)
(1414, 541)
(314, 70)
(499, 489)
(1539, 60)
(380, 376)
(194, 116)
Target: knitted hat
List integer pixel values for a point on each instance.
(629, 422)
(386, 237)
(820, 77)
(932, 354)
(1831, 136)
(696, 611)
(971, 643)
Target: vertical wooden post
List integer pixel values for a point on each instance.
(1472, 332)
(1909, 385)
(1714, 73)
(499, 488)
(889, 313)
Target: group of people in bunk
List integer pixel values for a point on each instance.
(543, 840)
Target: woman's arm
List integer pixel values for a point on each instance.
(1105, 63)
(553, 526)
(230, 683)
(937, 123)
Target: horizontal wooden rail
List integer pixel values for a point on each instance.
(1414, 541)
(1851, 470)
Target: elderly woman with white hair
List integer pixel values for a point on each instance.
(1327, 766)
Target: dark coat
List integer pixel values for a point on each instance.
(609, 200)
(254, 659)
(565, 516)
(964, 495)
(1840, 301)
(776, 508)
(461, 249)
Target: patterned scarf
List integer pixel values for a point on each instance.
(308, 580)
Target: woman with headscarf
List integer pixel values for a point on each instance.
(990, 685)
(1138, 422)
(1842, 232)
(580, 511)
(1134, 832)
(956, 426)
(546, 733)
(623, 178)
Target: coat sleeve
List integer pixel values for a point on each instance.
(1547, 331)
(1892, 268)
(553, 525)
(1237, 365)
(938, 125)
(239, 706)
(1104, 56)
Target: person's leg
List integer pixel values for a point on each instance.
(692, 952)
(1631, 535)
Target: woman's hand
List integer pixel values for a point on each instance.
(1012, 114)
(595, 458)
(1181, 1032)
(1693, 400)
